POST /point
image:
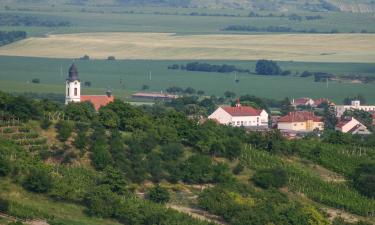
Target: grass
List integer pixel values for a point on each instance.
(163, 46)
(23, 203)
(17, 72)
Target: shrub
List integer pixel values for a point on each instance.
(364, 179)
(38, 181)
(5, 166)
(64, 129)
(275, 177)
(159, 194)
(4, 205)
(45, 124)
(35, 80)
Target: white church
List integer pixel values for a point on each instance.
(73, 91)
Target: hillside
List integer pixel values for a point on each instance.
(156, 165)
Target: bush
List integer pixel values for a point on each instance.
(38, 181)
(5, 166)
(45, 124)
(64, 129)
(159, 194)
(364, 179)
(4, 205)
(35, 81)
(275, 177)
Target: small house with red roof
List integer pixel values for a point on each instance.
(352, 126)
(302, 121)
(302, 102)
(73, 92)
(240, 116)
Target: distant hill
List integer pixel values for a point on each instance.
(362, 6)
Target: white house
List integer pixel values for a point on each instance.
(240, 116)
(340, 109)
(353, 126)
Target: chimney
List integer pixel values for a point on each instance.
(238, 104)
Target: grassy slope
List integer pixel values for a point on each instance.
(41, 206)
(16, 71)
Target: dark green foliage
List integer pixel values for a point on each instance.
(364, 179)
(35, 80)
(267, 67)
(5, 166)
(101, 201)
(238, 168)
(38, 180)
(45, 124)
(64, 130)
(4, 205)
(171, 152)
(275, 177)
(108, 118)
(359, 97)
(115, 179)
(197, 169)
(11, 36)
(101, 157)
(82, 111)
(158, 194)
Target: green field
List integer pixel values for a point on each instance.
(17, 72)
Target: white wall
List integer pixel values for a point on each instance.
(222, 116)
(69, 91)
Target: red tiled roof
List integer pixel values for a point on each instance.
(301, 101)
(300, 116)
(321, 100)
(97, 100)
(242, 111)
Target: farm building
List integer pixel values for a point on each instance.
(351, 125)
(300, 121)
(73, 91)
(154, 96)
(239, 115)
(340, 109)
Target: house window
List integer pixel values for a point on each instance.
(75, 91)
(238, 122)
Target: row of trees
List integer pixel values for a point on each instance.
(25, 20)
(7, 37)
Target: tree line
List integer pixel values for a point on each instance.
(26, 20)
(7, 37)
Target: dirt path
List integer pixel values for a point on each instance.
(197, 213)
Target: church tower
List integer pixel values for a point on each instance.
(73, 86)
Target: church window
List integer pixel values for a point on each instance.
(68, 92)
(75, 91)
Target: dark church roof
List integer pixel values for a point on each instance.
(73, 73)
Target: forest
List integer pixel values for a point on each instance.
(7, 37)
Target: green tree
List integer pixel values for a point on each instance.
(81, 111)
(275, 177)
(158, 194)
(38, 180)
(364, 179)
(64, 130)
(267, 67)
(5, 166)
(108, 118)
(101, 157)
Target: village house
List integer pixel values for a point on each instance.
(309, 102)
(301, 121)
(73, 91)
(340, 109)
(240, 116)
(352, 126)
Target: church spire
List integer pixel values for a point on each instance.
(73, 72)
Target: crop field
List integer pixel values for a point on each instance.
(165, 46)
(128, 76)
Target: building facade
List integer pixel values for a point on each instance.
(73, 92)
(340, 109)
(240, 116)
(301, 121)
